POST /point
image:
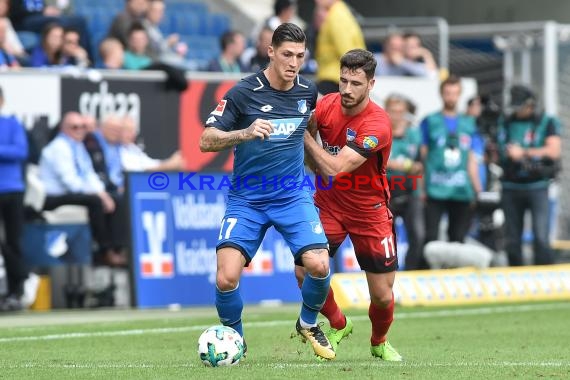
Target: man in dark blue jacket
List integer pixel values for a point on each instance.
(13, 155)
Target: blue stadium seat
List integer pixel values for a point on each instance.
(182, 7)
(218, 24)
(187, 23)
(202, 49)
(29, 40)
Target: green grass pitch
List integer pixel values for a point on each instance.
(479, 342)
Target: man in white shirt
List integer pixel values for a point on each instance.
(69, 179)
(134, 159)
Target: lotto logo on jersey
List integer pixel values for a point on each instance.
(283, 128)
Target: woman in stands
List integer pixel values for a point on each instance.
(48, 53)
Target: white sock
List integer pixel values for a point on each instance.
(306, 325)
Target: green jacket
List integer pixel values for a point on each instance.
(446, 175)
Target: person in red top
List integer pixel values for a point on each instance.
(356, 136)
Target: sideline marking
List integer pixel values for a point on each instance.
(172, 330)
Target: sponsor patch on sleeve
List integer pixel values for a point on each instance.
(369, 142)
(219, 111)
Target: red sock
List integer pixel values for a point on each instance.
(381, 320)
(332, 312)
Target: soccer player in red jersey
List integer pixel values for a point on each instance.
(356, 136)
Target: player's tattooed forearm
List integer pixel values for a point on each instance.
(216, 143)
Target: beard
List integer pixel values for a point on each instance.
(350, 102)
(450, 106)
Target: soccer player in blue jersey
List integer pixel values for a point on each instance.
(264, 117)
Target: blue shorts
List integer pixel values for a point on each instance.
(297, 220)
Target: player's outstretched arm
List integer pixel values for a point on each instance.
(346, 161)
(215, 140)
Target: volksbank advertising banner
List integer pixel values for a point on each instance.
(175, 223)
(174, 235)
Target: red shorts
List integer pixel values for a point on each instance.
(372, 235)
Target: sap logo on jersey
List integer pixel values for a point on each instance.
(283, 128)
(155, 263)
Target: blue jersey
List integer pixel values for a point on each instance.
(267, 170)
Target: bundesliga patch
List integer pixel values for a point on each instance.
(370, 142)
(219, 111)
(350, 134)
(302, 106)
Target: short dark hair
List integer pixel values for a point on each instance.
(228, 38)
(410, 34)
(136, 26)
(451, 80)
(287, 32)
(359, 59)
(471, 101)
(280, 5)
(71, 29)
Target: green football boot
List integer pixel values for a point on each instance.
(336, 335)
(385, 351)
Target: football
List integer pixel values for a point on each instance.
(220, 346)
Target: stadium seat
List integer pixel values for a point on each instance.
(218, 24)
(29, 40)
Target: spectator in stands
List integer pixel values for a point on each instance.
(135, 56)
(233, 45)
(112, 54)
(415, 51)
(103, 146)
(69, 178)
(133, 158)
(338, 34)
(405, 161)
(7, 59)
(312, 31)
(529, 148)
(135, 10)
(393, 62)
(169, 49)
(256, 58)
(12, 45)
(283, 11)
(34, 15)
(13, 155)
(72, 53)
(451, 174)
(90, 123)
(49, 51)
(474, 107)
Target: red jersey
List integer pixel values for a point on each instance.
(370, 134)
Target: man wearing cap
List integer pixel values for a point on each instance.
(529, 149)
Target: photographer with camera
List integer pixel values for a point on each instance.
(529, 150)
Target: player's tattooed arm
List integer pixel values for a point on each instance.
(215, 140)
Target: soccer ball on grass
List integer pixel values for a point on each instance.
(220, 346)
